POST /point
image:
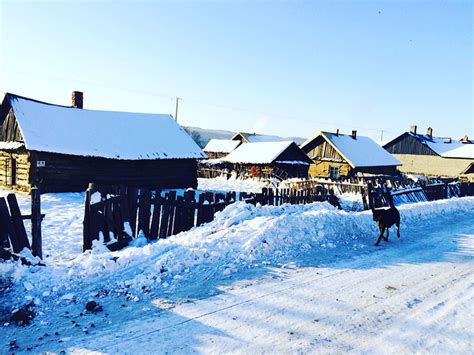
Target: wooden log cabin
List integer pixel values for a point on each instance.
(269, 159)
(64, 148)
(337, 155)
(425, 154)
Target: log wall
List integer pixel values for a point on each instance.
(321, 168)
(63, 173)
(22, 170)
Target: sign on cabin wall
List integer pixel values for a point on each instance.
(40, 164)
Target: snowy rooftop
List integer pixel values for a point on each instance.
(463, 151)
(259, 138)
(107, 134)
(221, 145)
(361, 151)
(445, 147)
(258, 153)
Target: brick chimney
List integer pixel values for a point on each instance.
(429, 132)
(77, 99)
(354, 134)
(413, 129)
(465, 139)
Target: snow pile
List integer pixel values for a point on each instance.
(242, 236)
(351, 201)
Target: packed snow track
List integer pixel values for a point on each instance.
(330, 292)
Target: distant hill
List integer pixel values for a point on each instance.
(203, 135)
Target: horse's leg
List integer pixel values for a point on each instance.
(386, 238)
(398, 229)
(382, 229)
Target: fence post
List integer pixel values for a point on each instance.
(36, 242)
(370, 196)
(86, 234)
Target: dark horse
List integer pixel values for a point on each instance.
(385, 218)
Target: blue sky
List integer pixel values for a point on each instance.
(275, 67)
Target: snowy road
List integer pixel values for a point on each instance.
(414, 294)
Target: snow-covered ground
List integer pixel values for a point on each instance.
(301, 278)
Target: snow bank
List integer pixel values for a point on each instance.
(242, 236)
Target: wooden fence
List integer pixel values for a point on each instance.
(12, 229)
(122, 213)
(381, 195)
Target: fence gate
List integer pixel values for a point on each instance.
(12, 229)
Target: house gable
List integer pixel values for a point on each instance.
(10, 130)
(408, 144)
(321, 149)
(293, 154)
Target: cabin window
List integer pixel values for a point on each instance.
(10, 171)
(334, 172)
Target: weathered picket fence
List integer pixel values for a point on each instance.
(381, 195)
(12, 229)
(354, 185)
(120, 214)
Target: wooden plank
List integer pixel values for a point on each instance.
(144, 212)
(18, 226)
(108, 221)
(117, 221)
(6, 228)
(178, 225)
(208, 207)
(86, 231)
(200, 210)
(132, 198)
(155, 219)
(36, 218)
(189, 209)
(172, 210)
(165, 214)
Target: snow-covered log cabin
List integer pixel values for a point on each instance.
(218, 148)
(337, 155)
(425, 154)
(269, 159)
(62, 148)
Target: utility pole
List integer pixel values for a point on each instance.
(381, 135)
(176, 109)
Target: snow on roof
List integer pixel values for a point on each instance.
(221, 145)
(439, 145)
(107, 134)
(11, 145)
(258, 138)
(258, 153)
(464, 151)
(361, 151)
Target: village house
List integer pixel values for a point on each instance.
(219, 148)
(336, 155)
(266, 159)
(62, 148)
(425, 154)
(256, 138)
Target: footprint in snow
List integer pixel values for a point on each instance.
(414, 302)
